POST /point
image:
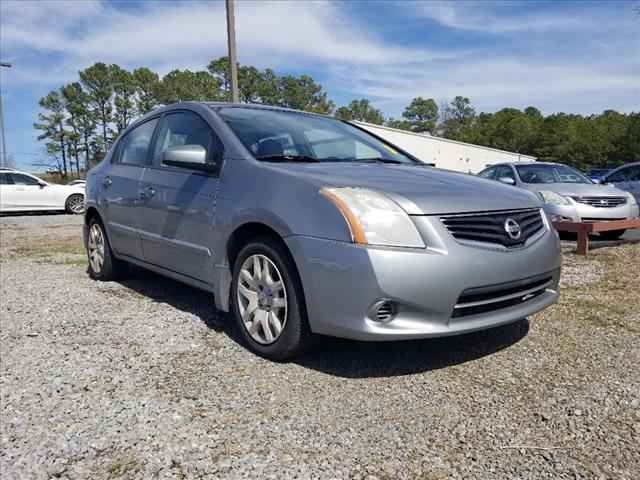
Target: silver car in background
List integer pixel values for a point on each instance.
(302, 224)
(626, 177)
(568, 195)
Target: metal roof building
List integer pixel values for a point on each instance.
(444, 153)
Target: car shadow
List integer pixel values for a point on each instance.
(351, 359)
(339, 357)
(176, 294)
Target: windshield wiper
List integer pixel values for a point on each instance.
(381, 160)
(287, 158)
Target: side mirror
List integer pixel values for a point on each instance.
(188, 156)
(507, 180)
(42, 184)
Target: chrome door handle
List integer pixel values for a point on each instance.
(147, 193)
(107, 182)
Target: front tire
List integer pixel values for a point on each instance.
(75, 204)
(103, 266)
(612, 234)
(268, 302)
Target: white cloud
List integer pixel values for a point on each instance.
(160, 32)
(497, 82)
(54, 39)
(496, 17)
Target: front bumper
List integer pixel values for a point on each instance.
(342, 282)
(579, 212)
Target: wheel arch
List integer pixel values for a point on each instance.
(91, 213)
(240, 237)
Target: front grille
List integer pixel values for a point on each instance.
(491, 227)
(602, 202)
(474, 301)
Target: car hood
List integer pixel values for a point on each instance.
(420, 190)
(578, 189)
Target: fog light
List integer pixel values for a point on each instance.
(383, 311)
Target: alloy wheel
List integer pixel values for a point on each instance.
(76, 204)
(95, 244)
(262, 299)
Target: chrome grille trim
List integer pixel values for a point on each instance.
(601, 202)
(488, 228)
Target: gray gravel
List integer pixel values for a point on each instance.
(142, 379)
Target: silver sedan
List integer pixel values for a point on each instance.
(301, 224)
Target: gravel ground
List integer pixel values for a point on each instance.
(141, 379)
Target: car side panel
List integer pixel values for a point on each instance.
(176, 221)
(120, 186)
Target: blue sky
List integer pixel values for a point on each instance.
(574, 56)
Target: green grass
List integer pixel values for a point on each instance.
(121, 467)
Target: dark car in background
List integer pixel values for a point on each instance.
(595, 174)
(626, 177)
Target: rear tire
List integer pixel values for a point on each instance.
(266, 291)
(75, 204)
(103, 266)
(612, 234)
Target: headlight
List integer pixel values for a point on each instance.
(553, 198)
(373, 218)
(632, 199)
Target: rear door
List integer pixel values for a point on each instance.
(121, 189)
(177, 217)
(7, 193)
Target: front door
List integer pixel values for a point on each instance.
(121, 190)
(179, 207)
(29, 194)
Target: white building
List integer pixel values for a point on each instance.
(444, 153)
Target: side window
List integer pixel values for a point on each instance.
(634, 174)
(20, 179)
(488, 173)
(5, 179)
(134, 147)
(504, 172)
(187, 128)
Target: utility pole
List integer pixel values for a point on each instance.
(233, 61)
(3, 146)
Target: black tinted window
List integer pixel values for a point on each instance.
(134, 147)
(5, 179)
(619, 176)
(187, 128)
(20, 179)
(634, 174)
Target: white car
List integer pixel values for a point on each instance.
(22, 192)
(78, 182)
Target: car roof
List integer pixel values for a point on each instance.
(161, 109)
(626, 165)
(515, 164)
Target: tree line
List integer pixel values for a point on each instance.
(79, 121)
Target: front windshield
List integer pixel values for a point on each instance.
(276, 135)
(550, 174)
